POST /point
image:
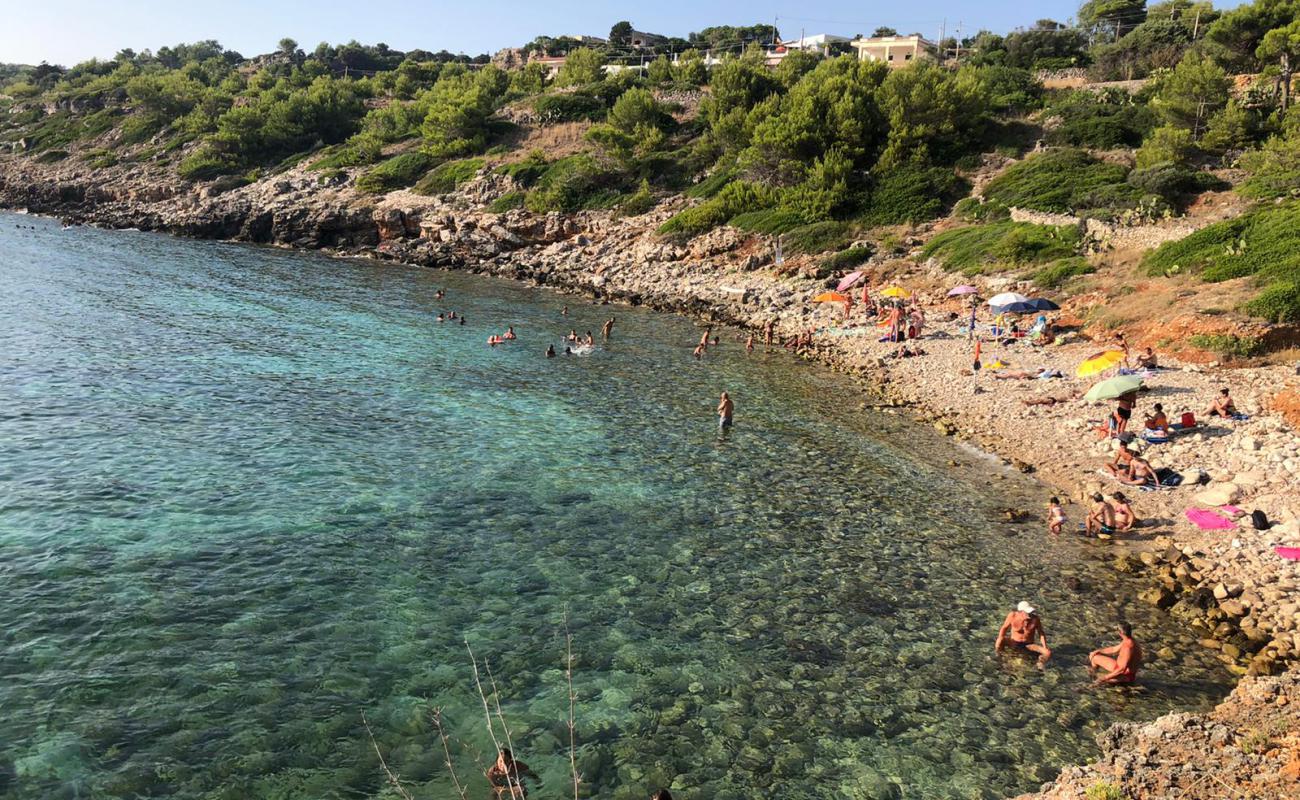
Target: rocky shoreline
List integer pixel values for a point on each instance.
(1229, 585)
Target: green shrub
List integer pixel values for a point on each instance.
(1104, 791)
(1175, 183)
(397, 172)
(1274, 168)
(354, 153)
(506, 202)
(713, 184)
(50, 156)
(845, 260)
(1060, 181)
(1103, 122)
(999, 245)
(972, 209)
(1264, 243)
(574, 107)
(449, 176)
(576, 183)
(205, 163)
(1055, 274)
(637, 203)
(735, 199)
(1166, 144)
(911, 194)
(1226, 344)
(817, 237)
(771, 221)
(527, 171)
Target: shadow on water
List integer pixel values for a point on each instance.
(245, 494)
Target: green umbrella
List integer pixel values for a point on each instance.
(1111, 388)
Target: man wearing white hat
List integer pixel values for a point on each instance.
(1023, 630)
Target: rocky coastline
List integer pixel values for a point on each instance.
(1229, 585)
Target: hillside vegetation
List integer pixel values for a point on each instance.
(814, 145)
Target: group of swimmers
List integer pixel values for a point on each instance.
(1022, 630)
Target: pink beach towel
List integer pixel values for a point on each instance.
(1289, 553)
(1208, 520)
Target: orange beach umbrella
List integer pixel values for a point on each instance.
(830, 297)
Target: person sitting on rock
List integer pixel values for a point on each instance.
(1020, 630)
(1119, 466)
(1147, 360)
(1223, 405)
(1119, 664)
(1102, 517)
(1158, 422)
(506, 776)
(1140, 473)
(1125, 517)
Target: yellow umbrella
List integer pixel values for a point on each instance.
(830, 297)
(1099, 362)
(896, 291)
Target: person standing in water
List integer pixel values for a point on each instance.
(607, 328)
(749, 344)
(726, 408)
(768, 330)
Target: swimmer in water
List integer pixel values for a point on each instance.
(568, 352)
(462, 320)
(441, 318)
(749, 344)
(573, 335)
(510, 332)
(591, 340)
(451, 315)
(699, 350)
(550, 351)
(564, 312)
(607, 328)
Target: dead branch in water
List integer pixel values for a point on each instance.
(496, 700)
(446, 751)
(515, 793)
(392, 779)
(568, 676)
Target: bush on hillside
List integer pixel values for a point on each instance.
(1000, 245)
(1061, 181)
(973, 209)
(1264, 243)
(818, 237)
(527, 171)
(397, 172)
(574, 107)
(911, 194)
(1274, 168)
(1102, 121)
(448, 176)
(771, 221)
(576, 183)
(845, 260)
(1057, 273)
(736, 198)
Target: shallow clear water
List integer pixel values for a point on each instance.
(247, 494)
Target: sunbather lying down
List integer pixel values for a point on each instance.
(1050, 400)
(1013, 375)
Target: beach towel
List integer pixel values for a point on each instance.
(1289, 553)
(1209, 520)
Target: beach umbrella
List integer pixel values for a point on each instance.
(896, 291)
(1043, 304)
(1007, 298)
(1015, 308)
(849, 280)
(830, 297)
(1111, 388)
(1099, 362)
(963, 289)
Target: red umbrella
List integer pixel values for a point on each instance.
(850, 280)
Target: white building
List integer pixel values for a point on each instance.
(895, 51)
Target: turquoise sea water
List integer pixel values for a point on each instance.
(246, 495)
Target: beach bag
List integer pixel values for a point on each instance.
(1189, 419)
(1260, 520)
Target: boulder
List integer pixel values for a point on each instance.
(1220, 494)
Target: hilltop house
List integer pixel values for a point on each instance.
(820, 42)
(645, 41)
(895, 51)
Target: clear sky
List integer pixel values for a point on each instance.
(68, 31)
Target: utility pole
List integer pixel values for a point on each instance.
(958, 56)
(1197, 25)
(943, 29)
